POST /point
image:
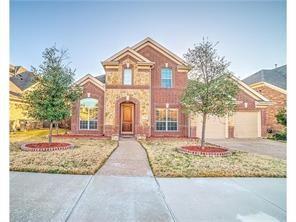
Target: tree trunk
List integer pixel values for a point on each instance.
(57, 127)
(203, 132)
(50, 132)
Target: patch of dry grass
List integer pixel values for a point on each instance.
(86, 158)
(166, 161)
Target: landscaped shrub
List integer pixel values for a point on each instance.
(280, 136)
(281, 118)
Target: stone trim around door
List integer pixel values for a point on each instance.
(136, 113)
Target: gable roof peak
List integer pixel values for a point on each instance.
(127, 50)
(160, 48)
(90, 78)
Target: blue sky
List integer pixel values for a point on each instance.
(251, 35)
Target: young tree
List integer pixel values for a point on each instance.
(54, 92)
(210, 90)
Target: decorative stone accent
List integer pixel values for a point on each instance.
(112, 95)
(140, 75)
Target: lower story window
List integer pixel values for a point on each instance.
(88, 116)
(166, 119)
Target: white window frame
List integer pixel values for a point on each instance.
(123, 80)
(166, 120)
(88, 120)
(166, 78)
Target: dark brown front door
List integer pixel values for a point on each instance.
(127, 118)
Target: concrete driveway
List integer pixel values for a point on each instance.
(260, 146)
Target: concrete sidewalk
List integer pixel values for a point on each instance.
(226, 199)
(44, 197)
(124, 189)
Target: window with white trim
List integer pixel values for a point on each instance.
(166, 119)
(88, 115)
(166, 78)
(127, 77)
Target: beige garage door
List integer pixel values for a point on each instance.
(215, 127)
(247, 124)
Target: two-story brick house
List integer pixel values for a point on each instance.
(271, 83)
(140, 95)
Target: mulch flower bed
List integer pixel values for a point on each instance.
(37, 147)
(208, 151)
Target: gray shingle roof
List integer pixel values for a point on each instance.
(101, 78)
(276, 77)
(23, 80)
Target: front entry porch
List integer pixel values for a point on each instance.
(127, 123)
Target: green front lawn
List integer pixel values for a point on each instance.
(166, 161)
(86, 158)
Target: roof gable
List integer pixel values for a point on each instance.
(260, 84)
(260, 99)
(130, 52)
(89, 78)
(161, 49)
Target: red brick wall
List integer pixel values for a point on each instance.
(243, 98)
(279, 99)
(161, 96)
(96, 93)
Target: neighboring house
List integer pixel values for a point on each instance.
(140, 95)
(20, 80)
(272, 84)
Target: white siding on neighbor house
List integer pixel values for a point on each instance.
(247, 124)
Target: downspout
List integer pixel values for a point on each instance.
(189, 125)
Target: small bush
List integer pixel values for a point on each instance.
(280, 136)
(281, 117)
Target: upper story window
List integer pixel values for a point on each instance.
(127, 77)
(88, 116)
(166, 78)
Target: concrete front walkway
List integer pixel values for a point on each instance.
(260, 146)
(125, 190)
